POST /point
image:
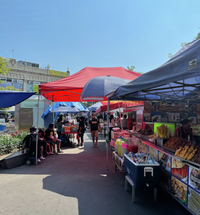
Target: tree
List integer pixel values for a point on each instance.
(131, 68)
(3, 65)
(3, 70)
(87, 104)
(9, 88)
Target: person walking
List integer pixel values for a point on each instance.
(81, 130)
(93, 129)
(124, 122)
(111, 125)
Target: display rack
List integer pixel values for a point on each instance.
(178, 182)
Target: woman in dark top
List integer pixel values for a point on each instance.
(81, 130)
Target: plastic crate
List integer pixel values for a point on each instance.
(143, 175)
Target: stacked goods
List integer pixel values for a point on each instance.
(124, 149)
(132, 144)
(153, 136)
(147, 107)
(187, 151)
(116, 129)
(174, 143)
(73, 129)
(145, 131)
(179, 169)
(164, 131)
(196, 158)
(194, 201)
(142, 158)
(67, 128)
(115, 135)
(179, 190)
(195, 178)
(129, 123)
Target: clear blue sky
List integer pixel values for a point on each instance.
(97, 33)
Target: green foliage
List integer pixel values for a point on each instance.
(86, 104)
(3, 65)
(183, 44)
(198, 36)
(170, 55)
(131, 68)
(9, 142)
(9, 88)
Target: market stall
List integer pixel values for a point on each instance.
(69, 132)
(168, 129)
(178, 157)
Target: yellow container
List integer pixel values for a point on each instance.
(120, 149)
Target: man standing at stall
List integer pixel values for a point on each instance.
(93, 129)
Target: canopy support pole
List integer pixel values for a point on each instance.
(53, 108)
(36, 148)
(183, 89)
(107, 132)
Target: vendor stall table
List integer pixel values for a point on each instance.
(68, 135)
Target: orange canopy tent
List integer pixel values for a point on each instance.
(70, 88)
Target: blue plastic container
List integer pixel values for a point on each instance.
(2, 127)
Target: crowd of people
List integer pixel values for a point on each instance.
(48, 143)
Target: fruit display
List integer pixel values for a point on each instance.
(187, 151)
(153, 136)
(164, 131)
(174, 143)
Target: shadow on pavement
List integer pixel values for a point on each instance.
(81, 173)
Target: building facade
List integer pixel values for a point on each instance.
(26, 76)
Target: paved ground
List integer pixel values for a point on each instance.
(76, 182)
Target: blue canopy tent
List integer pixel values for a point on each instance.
(48, 114)
(67, 109)
(11, 98)
(176, 80)
(95, 106)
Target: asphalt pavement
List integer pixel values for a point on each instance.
(77, 182)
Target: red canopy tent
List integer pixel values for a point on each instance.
(113, 106)
(69, 88)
